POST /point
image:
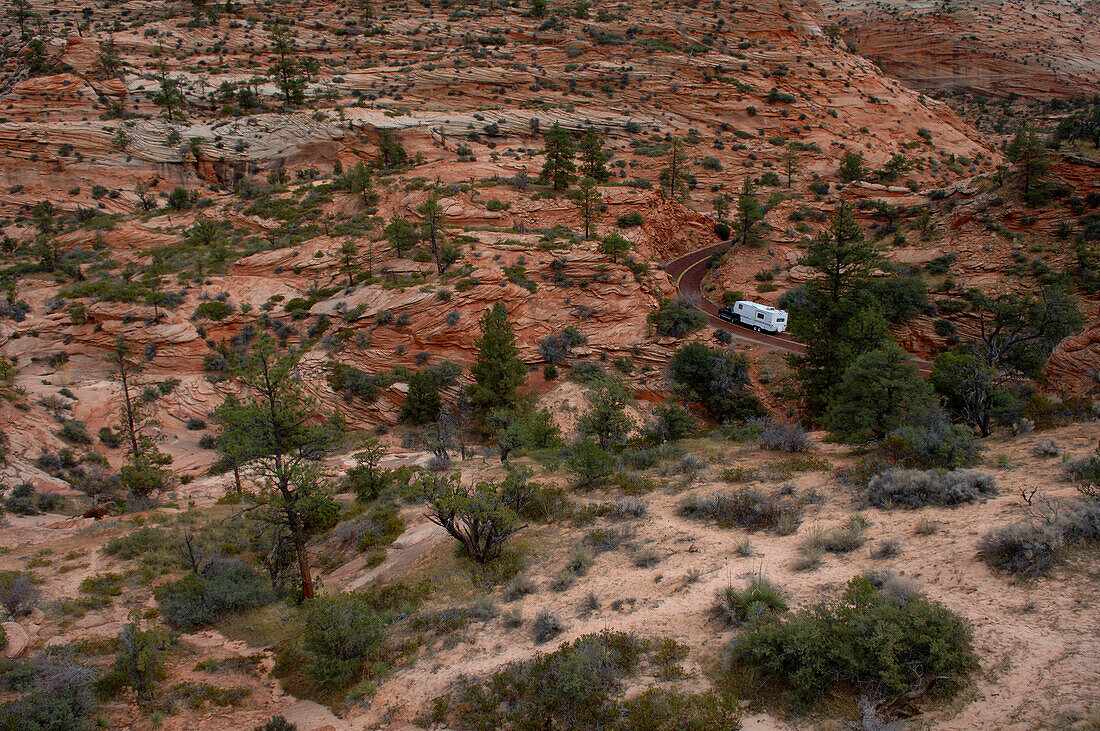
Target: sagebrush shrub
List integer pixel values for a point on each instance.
(785, 438)
(746, 508)
(1030, 547)
(902, 488)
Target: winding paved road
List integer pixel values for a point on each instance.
(687, 274)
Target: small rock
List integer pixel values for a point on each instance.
(18, 639)
(90, 620)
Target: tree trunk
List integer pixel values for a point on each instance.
(303, 567)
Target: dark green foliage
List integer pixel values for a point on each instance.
(139, 662)
(676, 318)
(278, 723)
(498, 371)
(277, 433)
(880, 392)
(629, 220)
(866, 640)
(589, 463)
(1017, 335)
(606, 419)
(477, 516)
(834, 314)
(1031, 160)
(56, 695)
(352, 382)
(901, 298)
(25, 500)
(367, 479)
(213, 310)
(342, 633)
(517, 431)
(671, 422)
(559, 169)
(422, 403)
(851, 167)
(200, 599)
(579, 686)
(717, 379)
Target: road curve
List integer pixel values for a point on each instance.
(687, 274)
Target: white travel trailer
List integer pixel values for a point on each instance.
(756, 316)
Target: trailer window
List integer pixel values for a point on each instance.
(759, 315)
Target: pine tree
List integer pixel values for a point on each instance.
(851, 167)
(275, 430)
(348, 252)
(791, 162)
(674, 176)
(594, 157)
(498, 372)
(21, 11)
(108, 58)
(721, 207)
(432, 230)
(589, 202)
(422, 403)
(145, 474)
(559, 168)
(401, 234)
(838, 318)
(880, 392)
(289, 73)
(615, 246)
(1031, 161)
(749, 212)
(170, 96)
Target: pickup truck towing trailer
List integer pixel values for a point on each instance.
(756, 316)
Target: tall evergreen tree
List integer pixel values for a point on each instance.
(674, 176)
(288, 70)
(432, 230)
(274, 430)
(498, 372)
(1031, 161)
(589, 202)
(838, 318)
(348, 251)
(22, 12)
(145, 473)
(749, 212)
(558, 169)
(791, 162)
(594, 157)
(170, 96)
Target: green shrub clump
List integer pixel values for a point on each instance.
(579, 686)
(866, 640)
(677, 318)
(224, 586)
